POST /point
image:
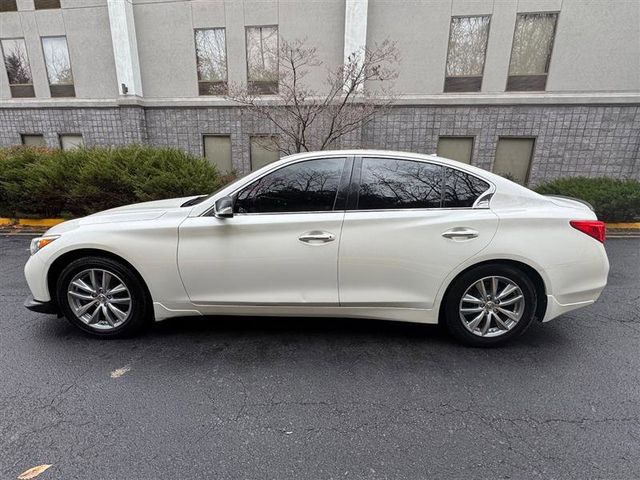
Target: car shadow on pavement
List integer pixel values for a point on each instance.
(344, 330)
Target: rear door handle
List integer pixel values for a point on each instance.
(460, 233)
(317, 237)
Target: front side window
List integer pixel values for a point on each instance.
(309, 186)
(394, 184)
(211, 58)
(262, 59)
(531, 51)
(461, 189)
(56, 57)
(16, 62)
(468, 38)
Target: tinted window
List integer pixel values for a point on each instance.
(462, 189)
(388, 183)
(309, 186)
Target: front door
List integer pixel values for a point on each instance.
(279, 248)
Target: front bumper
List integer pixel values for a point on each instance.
(40, 307)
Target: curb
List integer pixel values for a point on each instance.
(29, 222)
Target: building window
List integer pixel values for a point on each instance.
(8, 6)
(33, 140)
(468, 38)
(456, 148)
(531, 51)
(16, 62)
(217, 150)
(46, 4)
(71, 141)
(211, 59)
(262, 60)
(513, 158)
(264, 150)
(56, 57)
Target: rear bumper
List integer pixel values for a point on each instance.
(40, 307)
(555, 309)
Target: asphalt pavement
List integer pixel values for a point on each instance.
(273, 398)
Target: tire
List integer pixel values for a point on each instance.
(461, 316)
(107, 313)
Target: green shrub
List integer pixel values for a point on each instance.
(613, 200)
(53, 183)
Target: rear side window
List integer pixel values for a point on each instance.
(462, 189)
(393, 184)
(309, 186)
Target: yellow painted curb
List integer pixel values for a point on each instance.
(625, 226)
(6, 221)
(39, 222)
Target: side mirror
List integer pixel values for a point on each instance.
(224, 207)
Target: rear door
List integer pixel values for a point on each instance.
(408, 224)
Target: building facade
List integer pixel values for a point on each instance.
(537, 89)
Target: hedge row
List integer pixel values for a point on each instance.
(39, 182)
(613, 200)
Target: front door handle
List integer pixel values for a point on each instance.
(317, 237)
(460, 233)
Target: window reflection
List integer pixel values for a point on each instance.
(388, 184)
(532, 43)
(467, 46)
(56, 57)
(262, 59)
(211, 59)
(309, 186)
(462, 189)
(16, 61)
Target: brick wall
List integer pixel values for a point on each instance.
(570, 140)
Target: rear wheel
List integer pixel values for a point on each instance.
(490, 304)
(102, 297)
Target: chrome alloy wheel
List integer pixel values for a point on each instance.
(99, 298)
(491, 306)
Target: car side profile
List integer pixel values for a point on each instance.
(360, 233)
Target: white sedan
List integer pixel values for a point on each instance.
(373, 234)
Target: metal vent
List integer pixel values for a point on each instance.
(462, 84)
(262, 88)
(212, 88)
(22, 91)
(518, 83)
(62, 90)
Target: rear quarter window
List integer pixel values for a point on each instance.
(462, 189)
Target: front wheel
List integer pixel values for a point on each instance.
(490, 304)
(102, 297)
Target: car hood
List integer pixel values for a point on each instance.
(126, 213)
(145, 206)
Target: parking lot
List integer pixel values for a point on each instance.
(302, 398)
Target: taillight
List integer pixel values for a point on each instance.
(593, 228)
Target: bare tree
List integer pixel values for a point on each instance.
(307, 119)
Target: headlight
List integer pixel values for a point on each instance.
(41, 242)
